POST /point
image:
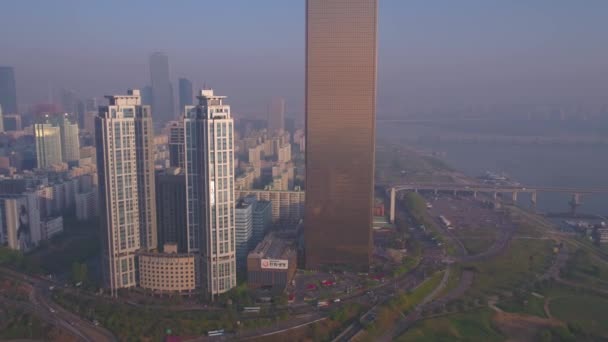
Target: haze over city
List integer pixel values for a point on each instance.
(431, 54)
(304, 170)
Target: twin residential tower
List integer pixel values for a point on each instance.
(340, 126)
(125, 159)
(125, 166)
(209, 159)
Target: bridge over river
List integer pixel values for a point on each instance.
(492, 190)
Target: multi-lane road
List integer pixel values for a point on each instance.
(40, 304)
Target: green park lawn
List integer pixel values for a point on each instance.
(476, 245)
(389, 314)
(520, 263)
(408, 301)
(453, 280)
(471, 326)
(588, 312)
(529, 305)
(16, 324)
(587, 270)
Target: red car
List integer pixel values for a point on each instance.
(378, 277)
(311, 287)
(327, 283)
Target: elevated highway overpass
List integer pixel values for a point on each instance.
(492, 190)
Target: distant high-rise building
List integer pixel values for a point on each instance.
(70, 143)
(276, 116)
(162, 93)
(46, 135)
(171, 208)
(91, 105)
(87, 112)
(340, 126)
(48, 145)
(209, 134)
(176, 144)
(290, 125)
(243, 224)
(12, 122)
(81, 109)
(127, 206)
(185, 94)
(69, 101)
(146, 96)
(8, 90)
(89, 122)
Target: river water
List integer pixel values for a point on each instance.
(578, 166)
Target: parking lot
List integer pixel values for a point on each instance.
(474, 222)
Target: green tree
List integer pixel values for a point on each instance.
(546, 336)
(79, 272)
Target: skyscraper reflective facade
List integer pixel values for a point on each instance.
(340, 126)
(56, 139)
(209, 161)
(48, 145)
(162, 91)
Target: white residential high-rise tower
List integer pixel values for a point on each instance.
(209, 160)
(126, 186)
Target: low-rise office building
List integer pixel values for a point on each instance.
(272, 264)
(167, 272)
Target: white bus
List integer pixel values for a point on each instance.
(445, 222)
(215, 333)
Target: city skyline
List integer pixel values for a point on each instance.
(430, 54)
(346, 170)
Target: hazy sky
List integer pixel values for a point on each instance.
(431, 52)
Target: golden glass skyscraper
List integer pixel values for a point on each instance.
(340, 131)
